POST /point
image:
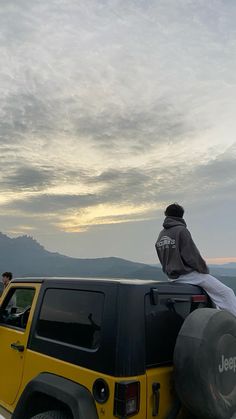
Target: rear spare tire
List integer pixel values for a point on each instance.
(205, 364)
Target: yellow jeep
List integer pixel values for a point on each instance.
(93, 348)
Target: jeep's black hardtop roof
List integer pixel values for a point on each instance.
(164, 286)
(128, 281)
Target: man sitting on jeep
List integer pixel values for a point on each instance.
(181, 260)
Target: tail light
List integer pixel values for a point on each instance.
(127, 398)
(199, 298)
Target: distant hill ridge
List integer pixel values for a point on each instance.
(24, 256)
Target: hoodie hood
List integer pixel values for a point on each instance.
(170, 222)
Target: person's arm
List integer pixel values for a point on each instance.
(190, 253)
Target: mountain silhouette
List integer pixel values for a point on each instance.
(24, 256)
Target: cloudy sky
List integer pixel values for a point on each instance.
(109, 111)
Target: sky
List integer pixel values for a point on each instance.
(109, 111)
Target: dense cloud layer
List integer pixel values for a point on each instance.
(111, 109)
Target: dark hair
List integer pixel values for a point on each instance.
(8, 275)
(174, 210)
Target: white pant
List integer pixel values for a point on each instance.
(223, 296)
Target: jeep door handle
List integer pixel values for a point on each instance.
(156, 398)
(17, 346)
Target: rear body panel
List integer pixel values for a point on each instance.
(166, 308)
(36, 363)
(164, 377)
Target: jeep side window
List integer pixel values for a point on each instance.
(16, 307)
(72, 317)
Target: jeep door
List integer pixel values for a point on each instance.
(15, 321)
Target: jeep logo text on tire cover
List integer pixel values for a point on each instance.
(227, 364)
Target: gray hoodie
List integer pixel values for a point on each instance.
(176, 250)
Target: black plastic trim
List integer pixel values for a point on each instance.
(76, 397)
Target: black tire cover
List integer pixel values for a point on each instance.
(205, 364)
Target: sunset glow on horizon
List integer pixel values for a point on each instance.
(221, 261)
